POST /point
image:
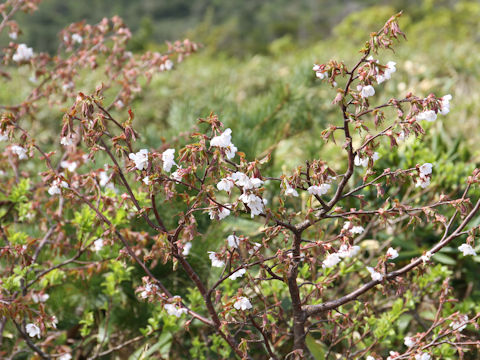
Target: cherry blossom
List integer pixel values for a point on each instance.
(242, 303)
(221, 214)
(3, 137)
(237, 274)
(186, 249)
(23, 53)
(69, 165)
(98, 245)
(445, 104)
(467, 250)
(408, 341)
(55, 188)
(423, 356)
(66, 356)
(331, 260)
(392, 253)
(19, 151)
(66, 141)
(366, 91)
(168, 158)
(425, 169)
(355, 229)
(290, 191)
(387, 73)
(146, 180)
(76, 38)
(223, 140)
(461, 324)
(347, 251)
(33, 330)
(428, 115)
(40, 298)
(319, 189)
(225, 184)
(140, 159)
(426, 257)
(233, 241)
(376, 276)
(175, 310)
(254, 203)
(215, 261)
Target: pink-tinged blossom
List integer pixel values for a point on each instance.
(23, 53)
(331, 260)
(221, 213)
(216, 262)
(428, 115)
(319, 73)
(460, 324)
(376, 276)
(168, 158)
(242, 303)
(33, 330)
(140, 159)
(392, 253)
(245, 182)
(223, 140)
(393, 355)
(225, 184)
(76, 38)
(237, 274)
(178, 174)
(425, 169)
(149, 289)
(401, 136)
(319, 190)
(423, 182)
(19, 151)
(168, 64)
(467, 249)
(445, 104)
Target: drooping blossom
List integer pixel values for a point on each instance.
(387, 72)
(66, 141)
(290, 191)
(445, 104)
(221, 213)
(175, 310)
(366, 91)
(254, 203)
(428, 115)
(223, 140)
(69, 165)
(146, 180)
(347, 251)
(392, 253)
(408, 341)
(225, 184)
(55, 188)
(19, 151)
(186, 248)
(355, 229)
(245, 182)
(425, 169)
(331, 260)
(460, 324)
(98, 245)
(233, 241)
(40, 298)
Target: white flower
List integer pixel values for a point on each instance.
(387, 73)
(178, 174)
(55, 188)
(3, 137)
(426, 257)
(242, 303)
(40, 297)
(376, 276)
(290, 191)
(168, 64)
(445, 104)
(423, 356)
(393, 355)
(316, 67)
(13, 35)
(355, 229)
(428, 115)
(146, 180)
(215, 261)
(119, 103)
(223, 140)
(140, 159)
(401, 136)
(467, 250)
(149, 288)
(408, 341)
(225, 184)
(175, 310)
(367, 91)
(237, 274)
(222, 213)
(460, 324)
(369, 357)
(70, 165)
(425, 169)
(245, 182)
(331, 260)
(33, 330)
(359, 161)
(168, 158)
(23, 53)
(97, 244)
(233, 241)
(76, 38)
(104, 179)
(254, 202)
(256, 246)
(68, 86)
(231, 151)
(392, 253)
(19, 151)
(423, 182)
(66, 356)
(186, 249)
(346, 251)
(375, 156)
(318, 189)
(66, 141)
